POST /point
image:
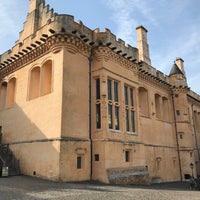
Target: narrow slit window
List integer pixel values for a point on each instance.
(98, 115)
(79, 162)
(127, 156)
(110, 118)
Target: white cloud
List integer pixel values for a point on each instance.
(124, 15)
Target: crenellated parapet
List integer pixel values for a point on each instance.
(148, 72)
(65, 25)
(108, 39)
(52, 32)
(194, 96)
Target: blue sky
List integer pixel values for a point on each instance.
(173, 26)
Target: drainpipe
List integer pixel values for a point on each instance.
(90, 59)
(195, 133)
(177, 143)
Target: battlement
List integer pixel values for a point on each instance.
(194, 95)
(51, 24)
(48, 23)
(153, 73)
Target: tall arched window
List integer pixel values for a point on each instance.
(11, 92)
(158, 105)
(46, 78)
(143, 101)
(3, 91)
(34, 89)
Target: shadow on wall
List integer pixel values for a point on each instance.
(33, 136)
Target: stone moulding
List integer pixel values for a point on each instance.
(71, 43)
(104, 53)
(24, 59)
(54, 43)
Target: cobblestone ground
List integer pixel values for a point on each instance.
(29, 188)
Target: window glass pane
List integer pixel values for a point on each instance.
(127, 120)
(131, 96)
(98, 88)
(79, 162)
(177, 112)
(116, 91)
(110, 116)
(109, 90)
(96, 157)
(98, 115)
(126, 95)
(116, 118)
(127, 156)
(133, 121)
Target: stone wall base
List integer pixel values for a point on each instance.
(131, 175)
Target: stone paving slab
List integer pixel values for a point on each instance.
(30, 188)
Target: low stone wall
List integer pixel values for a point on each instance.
(131, 175)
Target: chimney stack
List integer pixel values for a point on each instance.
(34, 4)
(142, 45)
(179, 62)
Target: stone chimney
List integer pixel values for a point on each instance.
(142, 45)
(34, 4)
(179, 62)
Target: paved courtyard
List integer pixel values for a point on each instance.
(29, 188)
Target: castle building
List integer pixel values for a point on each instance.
(77, 104)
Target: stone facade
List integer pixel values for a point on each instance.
(78, 104)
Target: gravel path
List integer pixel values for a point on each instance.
(29, 188)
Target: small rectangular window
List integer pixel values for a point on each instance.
(127, 156)
(79, 163)
(177, 112)
(96, 157)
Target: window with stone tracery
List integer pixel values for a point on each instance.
(129, 108)
(113, 104)
(98, 104)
